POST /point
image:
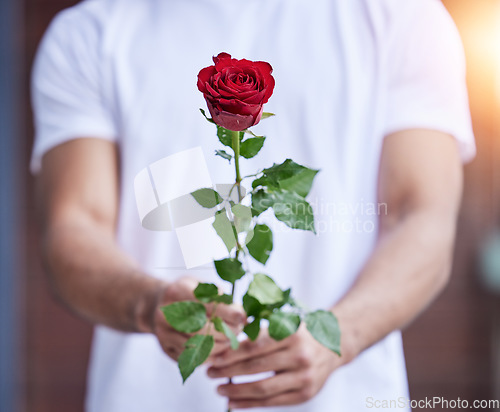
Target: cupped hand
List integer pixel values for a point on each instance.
(173, 341)
(300, 364)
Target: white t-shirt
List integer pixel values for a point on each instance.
(347, 74)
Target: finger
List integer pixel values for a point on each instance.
(275, 361)
(209, 330)
(263, 389)
(218, 349)
(285, 399)
(189, 283)
(172, 344)
(181, 289)
(233, 315)
(248, 349)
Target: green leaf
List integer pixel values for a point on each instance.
(207, 197)
(186, 316)
(225, 136)
(261, 245)
(283, 324)
(285, 170)
(252, 306)
(252, 329)
(224, 229)
(286, 300)
(261, 201)
(324, 327)
(263, 181)
(206, 117)
(227, 299)
(197, 350)
(293, 210)
(252, 133)
(300, 183)
(206, 292)
(288, 176)
(242, 217)
(222, 327)
(267, 115)
(250, 147)
(224, 154)
(265, 290)
(229, 269)
(289, 207)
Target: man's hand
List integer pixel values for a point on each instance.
(173, 341)
(301, 367)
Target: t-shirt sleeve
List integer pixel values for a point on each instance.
(67, 92)
(426, 85)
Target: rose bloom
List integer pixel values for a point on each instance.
(236, 90)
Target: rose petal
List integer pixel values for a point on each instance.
(228, 87)
(255, 98)
(238, 107)
(269, 88)
(264, 67)
(241, 87)
(211, 90)
(268, 80)
(220, 64)
(230, 121)
(221, 56)
(204, 76)
(259, 116)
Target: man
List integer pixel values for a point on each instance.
(370, 91)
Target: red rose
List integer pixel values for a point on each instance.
(236, 90)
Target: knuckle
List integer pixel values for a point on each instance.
(246, 346)
(294, 338)
(306, 379)
(255, 364)
(303, 359)
(187, 281)
(220, 347)
(222, 358)
(260, 390)
(173, 292)
(223, 372)
(306, 393)
(257, 345)
(253, 348)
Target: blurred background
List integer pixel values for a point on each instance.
(452, 351)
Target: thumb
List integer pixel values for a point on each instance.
(233, 315)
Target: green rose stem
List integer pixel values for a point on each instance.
(235, 140)
(235, 136)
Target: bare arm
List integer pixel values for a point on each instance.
(78, 194)
(89, 273)
(420, 180)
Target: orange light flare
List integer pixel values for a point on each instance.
(479, 25)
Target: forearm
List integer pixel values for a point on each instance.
(408, 268)
(94, 278)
